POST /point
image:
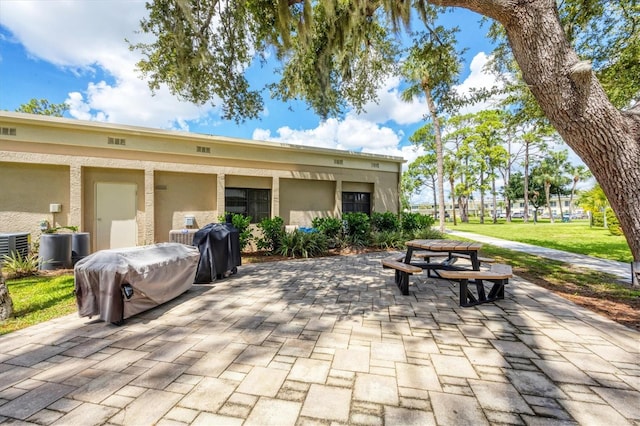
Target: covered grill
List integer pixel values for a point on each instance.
(116, 284)
(219, 246)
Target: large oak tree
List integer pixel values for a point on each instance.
(335, 51)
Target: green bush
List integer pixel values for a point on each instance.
(18, 266)
(357, 229)
(613, 224)
(427, 233)
(331, 227)
(385, 222)
(272, 234)
(388, 239)
(243, 225)
(412, 222)
(303, 244)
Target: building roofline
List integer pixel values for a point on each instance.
(62, 122)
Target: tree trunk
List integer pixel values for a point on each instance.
(495, 207)
(573, 192)
(481, 197)
(547, 197)
(607, 140)
(453, 201)
(439, 153)
(6, 304)
(525, 215)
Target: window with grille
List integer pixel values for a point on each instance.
(354, 202)
(255, 203)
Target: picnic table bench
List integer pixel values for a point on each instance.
(403, 270)
(498, 274)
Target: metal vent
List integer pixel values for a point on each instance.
(203, 149)
(12, 243)
(183, 236)
(116, 141)
(8, 131)
(338, 162)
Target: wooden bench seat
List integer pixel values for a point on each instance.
(499, 275)
(403, 270)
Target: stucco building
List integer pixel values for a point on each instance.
(129, 185)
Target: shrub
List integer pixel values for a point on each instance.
(272, 234)
(18, 266)
(428, 234)
(411, 222)
(613, 224)
(331, 227)
(303, 244)
(243, 225)
(357, 229)
(385, 222)
(388, 240)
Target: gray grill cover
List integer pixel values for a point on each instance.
(156, 273)
(219, 245)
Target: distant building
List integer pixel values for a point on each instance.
(130, 186)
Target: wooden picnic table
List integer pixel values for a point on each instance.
(450, 247)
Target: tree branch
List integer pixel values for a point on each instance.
(581, 73)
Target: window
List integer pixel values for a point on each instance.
(552, 204)
(255, 203)
(353, 202)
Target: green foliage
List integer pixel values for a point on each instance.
(330, 226)
(303, 244)
(388, 240)
(613, 224)
(428, 233)
(412, 222)
(55, 230)
(272, 234)
(385, 222)
(18, 266)
(357, 229)
(243, 225)
(43, 107)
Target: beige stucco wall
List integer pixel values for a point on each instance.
(26, 190)
(255, 182)
(52, 160)
(303, 200)
(181, 194)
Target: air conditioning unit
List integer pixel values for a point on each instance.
(183, 236)
(17, 242)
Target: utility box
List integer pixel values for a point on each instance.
(189, 221)
(55, 208)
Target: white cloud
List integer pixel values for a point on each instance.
(86, 35)
(478, 79)
(391, 107)
(351, 134)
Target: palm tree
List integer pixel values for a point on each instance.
(579, 173)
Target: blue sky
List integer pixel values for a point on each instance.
(74, 52)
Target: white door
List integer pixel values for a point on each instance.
(116, 225)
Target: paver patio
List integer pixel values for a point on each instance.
(327, 341)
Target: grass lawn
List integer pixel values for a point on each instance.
(575, 236)
(37, 299)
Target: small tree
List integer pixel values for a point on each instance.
(43, 107)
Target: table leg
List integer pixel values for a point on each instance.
(407, 258)
(475, 263)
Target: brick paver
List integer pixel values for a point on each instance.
(324, 341)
